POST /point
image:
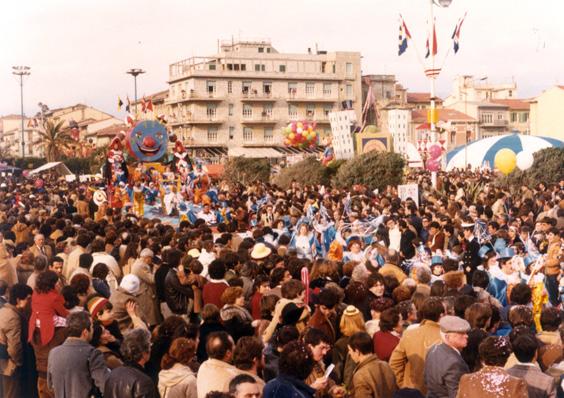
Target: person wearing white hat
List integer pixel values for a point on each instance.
(125, 303)
(142, 268)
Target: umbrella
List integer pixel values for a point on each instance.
(482, 152)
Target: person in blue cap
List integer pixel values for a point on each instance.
(502, 275)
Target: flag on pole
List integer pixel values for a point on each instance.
(143, 105)
(433, 48)
(120, 104)
(404, 35)
(427, 48)
(456, 34)
(129, 120)
(128, 105)
(150, 105)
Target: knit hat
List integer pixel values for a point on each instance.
(96, 304)
(130, 283)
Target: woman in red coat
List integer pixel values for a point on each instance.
(47, 307)
(388, 337)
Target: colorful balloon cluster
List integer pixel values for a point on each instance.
(300, 134)
(505, 160)
(434, 161)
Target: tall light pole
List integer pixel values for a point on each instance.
(432, 77)
(22, 71)
(135, 72)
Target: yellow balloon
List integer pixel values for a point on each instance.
(291, 136)
(313, 134)
(300, 125)
(505, 160)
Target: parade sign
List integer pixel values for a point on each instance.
(409, 191)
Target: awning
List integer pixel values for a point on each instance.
(254, 152)
(58, 167)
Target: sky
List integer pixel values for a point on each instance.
(79, 50)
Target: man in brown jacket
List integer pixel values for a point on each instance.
(12, 321)
(371, 377)
(408, 358)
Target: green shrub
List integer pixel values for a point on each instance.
(246, 170)
(309, 171)
(373, 169)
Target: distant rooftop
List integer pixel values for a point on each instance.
(516, 104)
(420, 97)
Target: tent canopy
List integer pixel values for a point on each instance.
(482, 152)
(59, 167)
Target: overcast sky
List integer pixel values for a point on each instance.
(79, 50)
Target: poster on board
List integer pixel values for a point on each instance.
(409, 191)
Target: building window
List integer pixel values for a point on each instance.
(229, 87)
(247, 134)
(486, 118)
(310, 110)
(268, 49)
(261, 49)
(267, 110)
(212, 66)
(268, 134)
(292, 111)
(349, 91)
(499, 116)
(212, 134)
(211, 111)
(282, 68)
(247, 110)
(523, 117)
(310, 88)
(327, 109)
(513, 117)
(246, 88)
(231, 132)
(210, 86)
(327, 89)
(231, 106)
(260, 68)
(510, 93)
(243, 67)
(292, 88)
(267, 88)
(334, 68)
(349, 68)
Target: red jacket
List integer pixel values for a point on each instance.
(44, 306)
(384, 344)
(212, 293)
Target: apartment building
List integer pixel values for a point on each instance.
(547, 116)
(246, 93)
(11, 135)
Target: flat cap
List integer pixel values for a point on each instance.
(453, 324)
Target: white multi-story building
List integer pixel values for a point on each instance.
(399, 126)
(342, 126)
(246, 93)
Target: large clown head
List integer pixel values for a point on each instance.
(147, 141)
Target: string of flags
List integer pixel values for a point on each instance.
(431, 43)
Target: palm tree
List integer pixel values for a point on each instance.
(53, 139)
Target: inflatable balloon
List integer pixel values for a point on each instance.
(505, 160)
(433, 165)
(300, 134)
(525, 160)
(435, 151)
(147, 141)
(38, 183)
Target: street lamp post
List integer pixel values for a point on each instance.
(135, 72)
(432, 77)
(22, 71)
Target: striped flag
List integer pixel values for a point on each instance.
(128, 105)
(434, 49)
(120, 104)
(456, 34)
(404, 36)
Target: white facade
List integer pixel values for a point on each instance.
(399, 121)
(342, 124)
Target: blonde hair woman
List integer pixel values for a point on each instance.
(352, 322)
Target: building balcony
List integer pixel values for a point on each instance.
(194, 96)
(254, 96)
(495, 123)
(194, 119)
(298, 98)
(263, 119)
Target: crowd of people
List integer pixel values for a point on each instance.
(301, 292)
